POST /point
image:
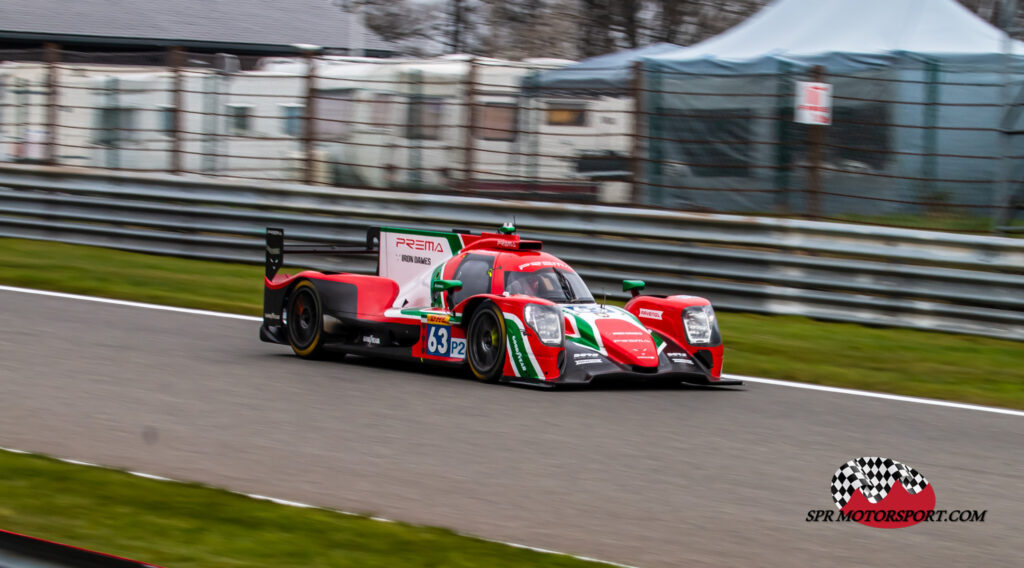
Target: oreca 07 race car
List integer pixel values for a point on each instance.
(493, 303)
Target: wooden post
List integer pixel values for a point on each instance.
(308, 131)
(52, 56)
(928, 187)
(636, 155)
(817, 139)
(468, 164)
(175, 59)
(784, 113)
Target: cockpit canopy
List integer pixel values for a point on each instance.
(555, 284)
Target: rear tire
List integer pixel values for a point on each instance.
(485, 342)
(305, 321)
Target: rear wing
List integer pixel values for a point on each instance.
(276, 249)
(404, 255)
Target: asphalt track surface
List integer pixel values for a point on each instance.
(651, 477)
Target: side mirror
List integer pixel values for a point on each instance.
(633, 286)
(445, 285)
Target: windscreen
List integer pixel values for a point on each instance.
(555, 284)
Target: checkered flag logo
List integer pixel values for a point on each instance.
(874, 477)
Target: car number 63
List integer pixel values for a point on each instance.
(437, 340)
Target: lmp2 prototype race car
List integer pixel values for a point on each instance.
(492, 303)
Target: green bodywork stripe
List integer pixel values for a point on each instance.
(587, 335)
(454, 239)
(435, 297)
(520, 357)
(583, 342)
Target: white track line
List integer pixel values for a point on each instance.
(774, 382)
(129, 304)
(882, 395)
(299, 505)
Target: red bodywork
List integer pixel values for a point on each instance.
(665, 316)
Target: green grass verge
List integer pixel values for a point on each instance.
(941, 220)
(95, 271)
(903, 361)
(183, 525)
(947, 366)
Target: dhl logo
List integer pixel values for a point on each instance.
(418, 244)
(438, 319)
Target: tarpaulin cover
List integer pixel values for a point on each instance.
(611, 73)
(919, 93)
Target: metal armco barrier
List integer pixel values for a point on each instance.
(838, 272)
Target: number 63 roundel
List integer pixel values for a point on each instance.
(440, 343)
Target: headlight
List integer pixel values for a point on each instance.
(699, 322)
(546, 322)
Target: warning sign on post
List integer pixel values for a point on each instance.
(813, 103)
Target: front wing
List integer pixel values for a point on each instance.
(582, 365)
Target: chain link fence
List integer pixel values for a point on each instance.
(932, 147)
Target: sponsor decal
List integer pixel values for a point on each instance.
(418, 244)
(409, 258)
(542, 263)
(517, 353)
(651, 314)
(503, 243)
(371, 340)
(274, 250)
(884, 493)
(523, 362)
(439, 319)
(627, 333)
(677, 357)
(585, 358)
(272, 317)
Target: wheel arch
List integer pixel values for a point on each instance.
(470, 307)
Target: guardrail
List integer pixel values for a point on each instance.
(853, 273)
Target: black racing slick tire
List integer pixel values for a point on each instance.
(485, 342)
(305, 320)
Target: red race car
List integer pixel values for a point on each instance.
(493, 303)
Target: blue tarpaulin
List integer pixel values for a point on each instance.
(611, 73)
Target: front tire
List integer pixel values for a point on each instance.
(485, 342)
(305, 321)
